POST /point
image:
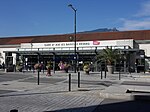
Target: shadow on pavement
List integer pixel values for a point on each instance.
(142, 97)
(25, 94)
(109, 105)
(135, 83)
(103, 83)
(79, 109)
(6, 91)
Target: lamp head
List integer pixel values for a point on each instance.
(70, 5)
(71, 38)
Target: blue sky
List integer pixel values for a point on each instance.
(46, 17)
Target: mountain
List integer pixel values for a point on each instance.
(100, 30)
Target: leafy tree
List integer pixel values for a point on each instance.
(109, 55)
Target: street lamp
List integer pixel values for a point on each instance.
(75, 57)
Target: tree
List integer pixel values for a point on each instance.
(109, 56)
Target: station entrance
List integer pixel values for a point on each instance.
(28, 58)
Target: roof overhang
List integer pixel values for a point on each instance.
(58, 52)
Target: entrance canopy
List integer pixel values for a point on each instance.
(65, 51)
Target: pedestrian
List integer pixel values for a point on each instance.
(3, 65)
(66, 67)
(61, 65)
(48, 69)
(92, 67)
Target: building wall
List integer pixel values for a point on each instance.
(94, 43)
(63, 45)
(146, 48)
(3, 54)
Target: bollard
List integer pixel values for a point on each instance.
(38, 76)
(105, 69)
(69, 82)
(101, 74)
(119, 75)
(105, 72)
(78, 79)
(14, 110)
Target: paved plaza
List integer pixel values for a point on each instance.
(21, 91)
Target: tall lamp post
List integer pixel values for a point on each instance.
(75, 57)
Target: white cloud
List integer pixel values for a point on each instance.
(135, 24)
(145, 10)
(140, 21)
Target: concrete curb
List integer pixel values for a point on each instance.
(127, 96)
(116, 96)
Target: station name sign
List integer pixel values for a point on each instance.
(71, 44)
(66, 44)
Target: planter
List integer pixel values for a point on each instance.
(110, 69)
(87, 72)
(86, 68)
(19, 68)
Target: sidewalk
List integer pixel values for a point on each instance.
(135, 86)
(55, 96)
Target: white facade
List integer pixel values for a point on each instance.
(146, 48)
(2, 59)
(81, 45)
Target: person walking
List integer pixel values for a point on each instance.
(48, 69)
(61, 65)
(66, 67)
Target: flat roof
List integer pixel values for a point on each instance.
(136, 35)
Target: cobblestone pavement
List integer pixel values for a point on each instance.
(61, 101)
(48, 97)
(52, 94)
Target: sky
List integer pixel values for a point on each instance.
(50, 17)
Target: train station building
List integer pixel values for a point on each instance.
(29, 50)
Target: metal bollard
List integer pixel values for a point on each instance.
(101, 74)
(38, 76)
(105, 69)
(69, 82)
(119, 75)
(105, 73)
(78, 79)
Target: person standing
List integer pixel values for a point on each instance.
(48, 69)
(61, 65)
(66, 67)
